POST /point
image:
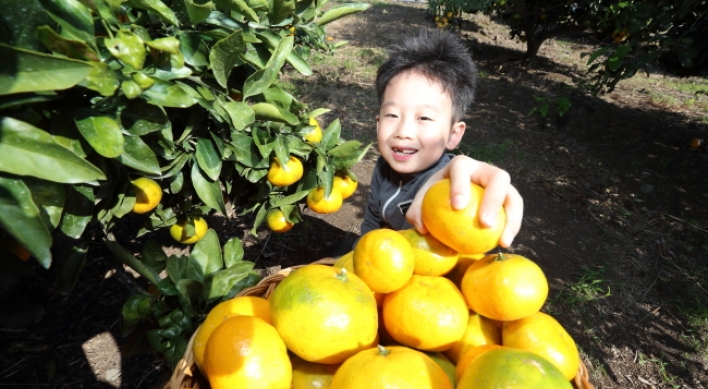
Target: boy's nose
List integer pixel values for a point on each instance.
(405, 129)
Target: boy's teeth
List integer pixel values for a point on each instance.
(404, 151)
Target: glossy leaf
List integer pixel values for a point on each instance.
(73, 17)
(262, 79)
(101, 132)
(198, 12)
(287, 200)
(209, 191)
(49, 197)
(194, 49)
(221, 283)
(224, 55)
(330, 137)
(78, 210)
(340, 11)
(20, 217)
(139, 156)
(136, 309)
(266, 111)
(101, 79)
(158, 7)
(241, 114)
(346, 149)
(245, 151)
(21, 19)
(28, 71)
(122, 255)
(238, 6)
(207, 253)
(280, 10)
(71, 48)
(168, 94)
(233, 252)
(168, 44)
(128, 48)
(27, 151)
(209, 158)
(190, 290)
(153, 256)
(140, 118)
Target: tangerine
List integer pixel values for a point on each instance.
(317, 201)
(310, 375)
(324, 314)
(277, 222)
(432, 258)
(459, 229)
(147, 194)
(540, 333)
(247, 352)
(245, 305)
(463, 262)
(179, 230)
(315, 134)
(505, 287)
(384, 259)
(284, 175)
(427, 313)
(345, 185)
(469, 356)
(390, 367)
(479, 331)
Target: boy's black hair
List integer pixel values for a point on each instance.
(440, 56)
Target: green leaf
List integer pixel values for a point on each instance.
(263, 141)
(209, 191)
(259, 81)
(27, 71)
(345, 150)
(71, 48)
(271, 39)
(220, 283)
(233, 252)
(134, 263)
(177, 267)
(139, 156)
(225, 54)
(73, 17)
(158, 7)
(260, 218)
(207, 253)
(168, 44)
(330, 137)
(238, 6)
(198, 12)
(27, 151)
(340, 11)
(246, 151)
(281, 149)
(278, 97)
(563, 105)
(194, 49)
(78, 210)
(140, 118)
(241, 114)
(266, 111)
(20, 217)
(190, 290)
(287, 200)
(280, 10)
(251, 279)
(49, 197)
(208, 158)
(20, 20)
(101, 132)
(153, 256)
(256, 56)
(136, 309)
(70, 268)
(168, 94)
(128, 48)
(101, 79)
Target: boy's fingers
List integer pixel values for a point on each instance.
(460, 172)
(496, 192)
(514, 207)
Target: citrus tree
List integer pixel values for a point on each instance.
(169, 109)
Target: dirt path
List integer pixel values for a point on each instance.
(616, 210)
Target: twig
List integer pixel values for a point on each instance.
(285, 247)
(683, 221)
(17, 363)
(652, 284)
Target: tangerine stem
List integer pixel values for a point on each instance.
(342, 275)
(383, 351)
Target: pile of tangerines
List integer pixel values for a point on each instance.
(402, 310)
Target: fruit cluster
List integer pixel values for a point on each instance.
(401, 310)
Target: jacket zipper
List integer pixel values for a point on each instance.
(383, 210)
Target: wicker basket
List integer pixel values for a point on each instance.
(187, 375)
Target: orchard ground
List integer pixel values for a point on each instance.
(616, 210)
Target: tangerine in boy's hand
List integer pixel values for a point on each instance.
(459, 229)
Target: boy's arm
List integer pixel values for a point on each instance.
(372, 219)
(498, 192)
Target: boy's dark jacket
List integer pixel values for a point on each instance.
(392, 193)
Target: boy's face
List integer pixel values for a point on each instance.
(415, 123)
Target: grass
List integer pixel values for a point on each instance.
(487, 152)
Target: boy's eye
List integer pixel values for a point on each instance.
(425, 118)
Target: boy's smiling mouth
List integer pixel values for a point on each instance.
(404, 151)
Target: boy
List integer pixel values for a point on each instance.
(424, 89)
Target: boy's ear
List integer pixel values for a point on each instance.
(458, 129)
(377, 124)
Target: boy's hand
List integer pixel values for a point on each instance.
(498, 191)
